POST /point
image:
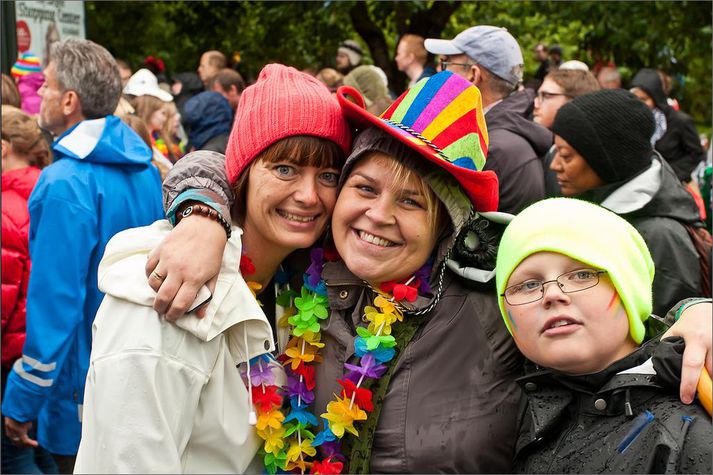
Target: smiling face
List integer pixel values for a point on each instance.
(574, 175)
(575, 333)
(285, 199)
(288, 205)
(385, 228)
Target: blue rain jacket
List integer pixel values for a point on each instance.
(101, 182)
(206, 115)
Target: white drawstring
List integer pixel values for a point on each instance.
(252, 417)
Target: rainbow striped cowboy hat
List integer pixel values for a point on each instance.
(441, 118)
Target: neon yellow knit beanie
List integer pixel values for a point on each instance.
(587, 233)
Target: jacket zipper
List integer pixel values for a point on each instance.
(561, 440)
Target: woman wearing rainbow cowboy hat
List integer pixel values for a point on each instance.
(412, 370)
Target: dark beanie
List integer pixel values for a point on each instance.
(611, 129)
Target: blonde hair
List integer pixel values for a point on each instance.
(145, 106)
(139, 126)
(25, 136)
(216, 59)
(166, 131)
(574, 82)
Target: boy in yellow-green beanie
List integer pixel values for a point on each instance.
(574, 284)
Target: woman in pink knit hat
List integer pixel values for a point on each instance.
(164, 398)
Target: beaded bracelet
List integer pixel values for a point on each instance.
(208, 212)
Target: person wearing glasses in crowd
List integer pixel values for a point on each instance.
(490, 58)
(558, 88)
(574, 283)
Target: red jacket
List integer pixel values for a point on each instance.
(16, 188)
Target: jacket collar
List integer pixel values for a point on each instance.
(637, 192)
(552, 396)
(656, 192)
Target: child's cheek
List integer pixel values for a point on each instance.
(614, 304)
(514, 329)
(513, 322)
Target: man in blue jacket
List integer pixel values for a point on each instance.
(101, 182)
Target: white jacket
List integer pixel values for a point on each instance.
(165, 398)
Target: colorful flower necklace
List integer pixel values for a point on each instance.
(289, 439)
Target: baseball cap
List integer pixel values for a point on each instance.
(490, 46)
(144, 83)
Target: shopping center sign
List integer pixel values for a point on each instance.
(41, 23)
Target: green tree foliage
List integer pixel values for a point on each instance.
(674, 36)
(301, 34)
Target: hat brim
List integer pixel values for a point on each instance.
(480, 186)
(146, 91)
(445, 47)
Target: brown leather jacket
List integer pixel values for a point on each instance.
(451, 405)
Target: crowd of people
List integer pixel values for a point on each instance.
(313, 274)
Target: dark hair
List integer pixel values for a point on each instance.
(496, 84)
(227, 77)
(302, 150)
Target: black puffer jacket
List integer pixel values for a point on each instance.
(581, 424)
(658, 207)
(514, 154)
(680, 145)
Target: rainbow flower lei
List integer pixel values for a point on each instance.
(288, 431)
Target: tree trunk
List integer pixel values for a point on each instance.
(428, 23)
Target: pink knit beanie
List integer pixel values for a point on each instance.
(282, 103)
